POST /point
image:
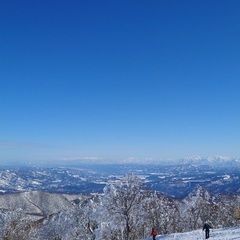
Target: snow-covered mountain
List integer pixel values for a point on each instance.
(123, 208)
(211, 160)
(37, 203)
(218, 175)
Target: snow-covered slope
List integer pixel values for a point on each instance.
(35, 202)
(216, 234)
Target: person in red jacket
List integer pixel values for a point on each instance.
(154, 233)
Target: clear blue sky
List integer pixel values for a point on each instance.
(119, 79)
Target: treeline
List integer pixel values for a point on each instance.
(125, 211)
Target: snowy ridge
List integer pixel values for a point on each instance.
(214, 160)
(35, 202)
(232, 233)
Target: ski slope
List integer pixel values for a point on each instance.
(215, 234)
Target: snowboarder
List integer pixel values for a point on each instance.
(154, 233)
(206, 227)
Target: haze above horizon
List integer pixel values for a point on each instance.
(119, 79)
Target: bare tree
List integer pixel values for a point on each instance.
(122, 202)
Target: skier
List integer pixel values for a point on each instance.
(154, 233)
(206, 227)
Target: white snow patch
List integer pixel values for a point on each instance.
(232, 233)
(226, 177)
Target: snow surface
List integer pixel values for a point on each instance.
(216, 234)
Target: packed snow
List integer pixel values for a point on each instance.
(216, 234)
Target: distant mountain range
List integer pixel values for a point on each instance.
(73, 203)
(175, 178)
(214, 160)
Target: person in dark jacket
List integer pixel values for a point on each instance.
(206, 227)
(154, 233)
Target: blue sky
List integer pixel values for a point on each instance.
(119, 80)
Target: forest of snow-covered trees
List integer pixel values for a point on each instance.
(125, 211)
